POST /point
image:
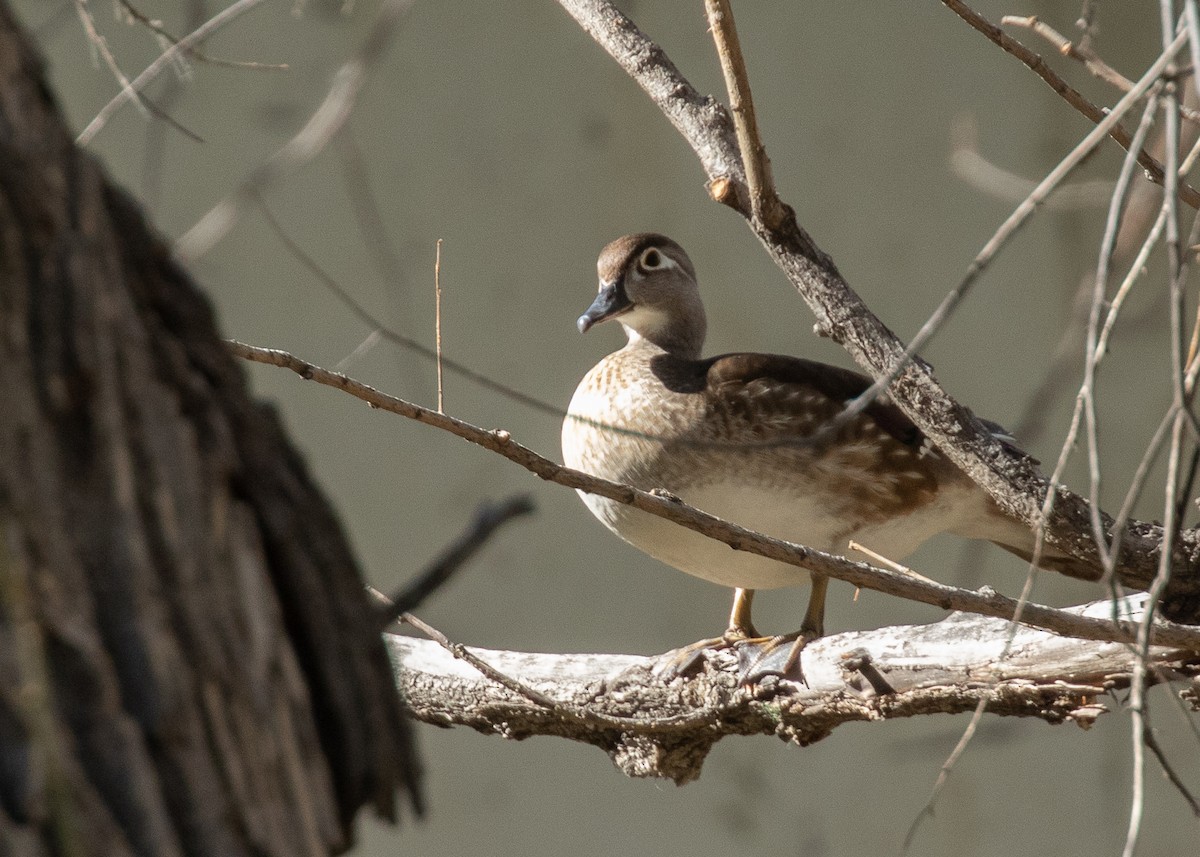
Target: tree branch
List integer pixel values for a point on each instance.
(764, 201)
(627, 706)
(322, 125)
(985, 602)
(489, 517)
(1095, 113)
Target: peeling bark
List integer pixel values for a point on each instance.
(655, 724)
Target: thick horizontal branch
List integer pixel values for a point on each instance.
(985, 602)
(632, 709)
(1013, 480)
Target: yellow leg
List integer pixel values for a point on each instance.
(741, 630)
(813, 626)
(814, 616)
(753, 649)
(740, 625)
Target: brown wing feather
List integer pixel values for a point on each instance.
(807, 382)
(879, 460)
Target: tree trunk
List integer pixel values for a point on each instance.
(188, 662)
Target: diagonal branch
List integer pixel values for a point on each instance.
(130, 92)
(985, 602)
(489, 517)
(1094, 112)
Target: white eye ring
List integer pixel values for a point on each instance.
(651, 259)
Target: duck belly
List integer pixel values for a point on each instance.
(802, 519)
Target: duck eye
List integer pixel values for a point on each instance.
(651, 259)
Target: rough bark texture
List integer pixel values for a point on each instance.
(188, 663)
(655, 724)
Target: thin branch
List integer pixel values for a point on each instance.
(764, 201)
(1153, 745)
(157, 28)
(365, 204)
(128, 93)
(1093, 354)
(1064, 46)
(100, 46)
(391, 334)
(437, 321)
(330, 116)
(1002, 236)
(943, 776)
(701, 120)
(489, 518)
(153, 156)
(1138, 702)
(1095, 113)
(985, 602)
(100, 43)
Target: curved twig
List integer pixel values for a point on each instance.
(1154, 169)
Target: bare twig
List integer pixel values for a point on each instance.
(1063, 45)
(128, 93)
(157, 28)
(489, 518)
(153, 156)
(944, 773)
(1007, 230)
(985, 602)
(1085, 55)
(703, 122)
(1154, 170)
(887, 563)
(101, 46)
(391, 334)
(1138, 701)
(764, 201)
(324, 123)
(437, 322)
(1153, 745)
(365, 203)
(1093, 355)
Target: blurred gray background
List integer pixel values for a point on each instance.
(503, 130)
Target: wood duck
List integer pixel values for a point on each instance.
(728, 434)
